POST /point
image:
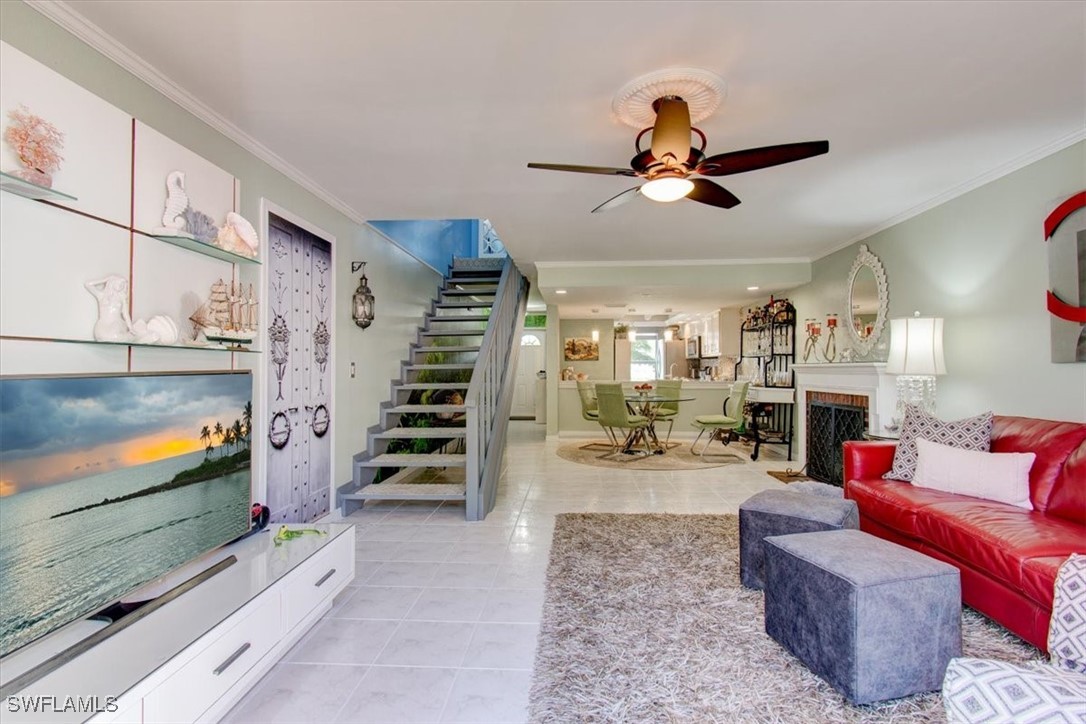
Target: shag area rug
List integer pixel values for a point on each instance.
(644, 620)
(676, 458)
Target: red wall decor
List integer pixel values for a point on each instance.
(1065, 232)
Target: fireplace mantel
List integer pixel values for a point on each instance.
(854, 378)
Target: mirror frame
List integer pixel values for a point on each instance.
(865, 259)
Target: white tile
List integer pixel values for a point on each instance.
(363, 570)
(392, 532)
(297, 693)
(404, 573)
(464, 575)
(513, 605)
(378, 602)
(489, 695)
(449, 604)
(423, 551)
(427, 643)
(502, 646)
(342, 641)
(375, 550)
(390, 694)
(438, 533)
(509, 576)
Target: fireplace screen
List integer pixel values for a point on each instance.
(828, 425)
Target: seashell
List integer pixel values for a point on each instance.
(201, 226)
(244, 230)
(163, 328)
(176, 201)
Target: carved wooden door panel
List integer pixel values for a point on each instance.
(299, 375)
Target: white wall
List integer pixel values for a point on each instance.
(402, 285)
(979, 261)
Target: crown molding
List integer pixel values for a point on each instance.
(669, 262)
(71, 20)
(961, 189)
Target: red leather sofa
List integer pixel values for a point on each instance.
(1008, 556)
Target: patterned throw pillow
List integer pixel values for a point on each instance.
(977, 691)
(972, 433)
(1067, 628)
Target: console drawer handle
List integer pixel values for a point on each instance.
(232, 658)
(325, 577)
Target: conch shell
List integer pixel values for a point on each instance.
(159, 329)
(237, 235)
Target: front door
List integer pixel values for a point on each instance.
(299, 373)
(529, 362)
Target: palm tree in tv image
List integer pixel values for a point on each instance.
(247, 420)
(219, 433)
(205, 438)
(239, 433)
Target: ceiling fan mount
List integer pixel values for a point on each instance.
(670, 160)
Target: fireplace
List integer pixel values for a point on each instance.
(832, 418)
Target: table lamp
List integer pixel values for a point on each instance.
(916, 357)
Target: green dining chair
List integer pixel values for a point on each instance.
(667, 411)
(590, 413)
(723, 427)
(611, 402)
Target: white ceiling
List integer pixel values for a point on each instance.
(432, 109)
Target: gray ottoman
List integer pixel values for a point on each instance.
(780, 512)
(875, 620)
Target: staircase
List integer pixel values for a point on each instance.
(444, 417)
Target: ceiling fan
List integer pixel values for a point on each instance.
(670, 161)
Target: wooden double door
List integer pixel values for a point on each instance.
(299, 372)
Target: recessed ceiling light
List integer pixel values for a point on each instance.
(559, 291)
(752, 289)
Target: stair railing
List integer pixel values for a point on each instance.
(490, 395)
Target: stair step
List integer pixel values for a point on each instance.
(431, 385)
(399, 433)
(442, 348)
(453, 332)
(451, 366)
(495, 273)
(415, 460)
(404, 409)
(462, 305)
(480, 291)
(410, 491)
(463, 318)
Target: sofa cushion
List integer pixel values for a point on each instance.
(1039, 578)
(1068, 498)
(892, 503)
(1003, 477)
(971, 433)
(995, 537)
(1053, 442)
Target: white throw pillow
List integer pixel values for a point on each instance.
(1003, 477)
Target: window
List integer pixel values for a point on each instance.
(530, 340)
(646, 358)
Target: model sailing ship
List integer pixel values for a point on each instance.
(228, 316)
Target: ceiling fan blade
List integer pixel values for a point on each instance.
(624, 197)
(604, 170)
(671, 133)
(709, 192)
(752, 159)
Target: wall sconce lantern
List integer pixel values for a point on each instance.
(595, 335)
(362, 301)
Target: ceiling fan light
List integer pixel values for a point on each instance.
(667, 189)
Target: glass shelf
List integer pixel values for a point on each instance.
(186, 242)
(22, 187)
(205, 348)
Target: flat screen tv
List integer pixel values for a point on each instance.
(108, 482)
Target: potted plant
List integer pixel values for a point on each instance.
(621, 330)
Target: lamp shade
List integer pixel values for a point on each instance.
(916, 346)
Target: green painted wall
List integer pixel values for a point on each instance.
(402, 285)
(979, 261)
(604, 369)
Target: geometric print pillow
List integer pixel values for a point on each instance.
(979, 690)
(1067, 628)
(972, 433)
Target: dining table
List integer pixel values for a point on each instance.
(647, 404)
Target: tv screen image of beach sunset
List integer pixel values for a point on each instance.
(108, 482)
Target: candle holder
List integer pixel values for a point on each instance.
(814, 331)
(831, 338)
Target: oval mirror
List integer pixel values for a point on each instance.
(865, 312)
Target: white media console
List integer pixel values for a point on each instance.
(193, 658)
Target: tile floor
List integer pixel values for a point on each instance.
(440, 622)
